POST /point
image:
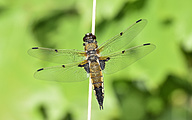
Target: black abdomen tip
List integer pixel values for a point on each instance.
(100, 96)
(101, 107)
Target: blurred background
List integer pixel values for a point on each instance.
(157, 87)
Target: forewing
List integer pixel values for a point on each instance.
(62, 56)
(122, 39)
(121, 60)
(62, 73)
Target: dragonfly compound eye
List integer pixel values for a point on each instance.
(93, 36)
(87, 36)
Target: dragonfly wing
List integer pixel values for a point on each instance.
(120, 60)
(62, 56)
(62, 73)
(122, 39)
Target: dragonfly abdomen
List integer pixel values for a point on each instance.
(97, 82)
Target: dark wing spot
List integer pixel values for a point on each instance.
(138, 20)
(56, 50)
(121, 33)
(35, 48)
(40, 69)
(63, 66)
(146, 44)
(123, 51)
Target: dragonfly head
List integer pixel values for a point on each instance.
(89, 37)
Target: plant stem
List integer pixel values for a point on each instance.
(93, 17)
(90, 83)
(89, 100)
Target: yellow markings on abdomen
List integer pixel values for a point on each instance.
(97, 82)
(96, 74)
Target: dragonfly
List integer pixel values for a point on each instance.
(78, 65)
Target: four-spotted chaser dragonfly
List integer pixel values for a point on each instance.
(78, 65)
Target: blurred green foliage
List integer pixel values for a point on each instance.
(158, 87)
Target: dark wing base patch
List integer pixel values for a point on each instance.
(86, 67)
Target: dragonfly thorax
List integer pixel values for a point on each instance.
(92, 58)
(91, 52)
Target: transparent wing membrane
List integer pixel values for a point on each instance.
(111, 60)
(61, 56)
(122, 59)
(62, 73)
(122, 39)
